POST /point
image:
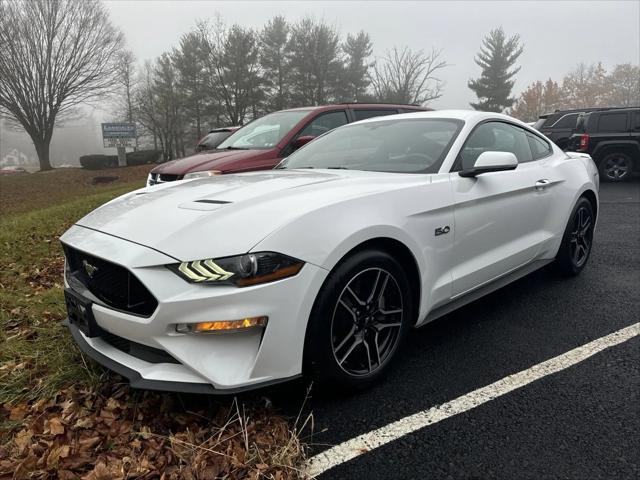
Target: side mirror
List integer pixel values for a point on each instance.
(491, 162)
(303, 140)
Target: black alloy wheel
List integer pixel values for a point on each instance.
(581, 236)
(359, 320)
(366, 321)
(577, 240)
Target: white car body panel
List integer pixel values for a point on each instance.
(499, 222)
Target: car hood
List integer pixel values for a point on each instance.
(229, 214)
(220, 160)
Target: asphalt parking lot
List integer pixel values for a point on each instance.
(582, 422)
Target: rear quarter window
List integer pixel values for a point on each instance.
(612, 122)
(539, 147)
(568, 121)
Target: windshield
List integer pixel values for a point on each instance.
(416, 145)
(212, 140)
(265, 132)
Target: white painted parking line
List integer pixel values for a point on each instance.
(376, 438)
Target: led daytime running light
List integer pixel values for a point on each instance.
(204, 271)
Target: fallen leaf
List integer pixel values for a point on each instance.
(18, 412)
(56, 454)
(23, 440)
(54, 426)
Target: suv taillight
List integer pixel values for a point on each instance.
(584, 142)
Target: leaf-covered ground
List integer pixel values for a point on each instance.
(62, 415)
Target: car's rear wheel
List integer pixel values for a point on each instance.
(616, 167)
(577, 240)
(359, 320)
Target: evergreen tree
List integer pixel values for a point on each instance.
(190, 59)
(497, 56)
(355, 82)
(274, 60)
(315, 62)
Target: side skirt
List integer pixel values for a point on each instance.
(484, 290)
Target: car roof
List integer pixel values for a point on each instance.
(584, 110)
(465, 115)
(338, 106)
(613, 109)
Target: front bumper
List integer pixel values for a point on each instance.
(205, 363)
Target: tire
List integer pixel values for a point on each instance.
(355, 330)
(577, 240)
(615, 167)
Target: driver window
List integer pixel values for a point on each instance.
(495, 137)
(325, 122)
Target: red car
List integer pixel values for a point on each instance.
(261, 144)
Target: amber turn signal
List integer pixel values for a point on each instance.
(219, 326)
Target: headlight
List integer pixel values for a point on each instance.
(241, 270)
(208, 173)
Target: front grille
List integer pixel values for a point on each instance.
(113, 284)
(138, 350)
(166, 177)
(156, 178)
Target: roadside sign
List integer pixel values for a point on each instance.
(118, 135)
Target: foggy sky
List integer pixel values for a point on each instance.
(557, 35)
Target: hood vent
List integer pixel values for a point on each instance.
(216, 202)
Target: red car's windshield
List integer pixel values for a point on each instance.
(265, 132)
(213, 139)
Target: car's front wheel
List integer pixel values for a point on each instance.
(359, 320)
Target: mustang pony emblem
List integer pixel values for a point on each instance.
(90, 269)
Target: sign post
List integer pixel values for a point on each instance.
(119, 136)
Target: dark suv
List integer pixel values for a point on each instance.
(560, 125)
(612, 138)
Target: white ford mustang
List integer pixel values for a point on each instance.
(323, 265)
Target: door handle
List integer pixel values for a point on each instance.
(542, 184)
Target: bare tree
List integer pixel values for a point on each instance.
(624, 83)
(537, 99)
(146, 109)
(586, 86)
(56, 55)
(405, 76)
(126, 66)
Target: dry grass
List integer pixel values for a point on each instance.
(63, 416)
(28, 192)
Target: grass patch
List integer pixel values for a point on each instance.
(27, 192)
(31, 332)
